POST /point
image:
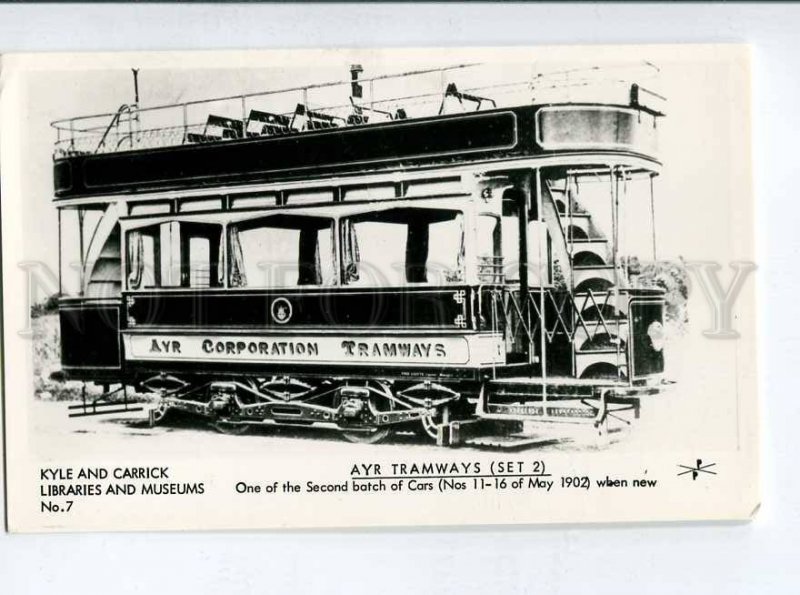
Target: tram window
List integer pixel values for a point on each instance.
(540, 254)
(490, 244)
(377, 192)
(78, 227)
(200, 262)
(201, 204)
(252, 202)
(405, 245)
(142, 208)
(71, 257)
(510, 248)
(434, 187)
(174, 254)
(282, 251)
(144, 258)
(304, 197)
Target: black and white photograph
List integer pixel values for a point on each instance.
(379, 287)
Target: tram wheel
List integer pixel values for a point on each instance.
(374, 436)
(430, 425)
(159, 413)
(231, 429)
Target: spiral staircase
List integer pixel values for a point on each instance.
(599, 329)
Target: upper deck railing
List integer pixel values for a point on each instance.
(355, 102)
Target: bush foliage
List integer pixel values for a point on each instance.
(47, 306)
(673, 277)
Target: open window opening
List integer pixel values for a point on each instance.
(512, 202)
(490, 248)
(174, 254)
(282, 251)
(402, 246)
(77, 231)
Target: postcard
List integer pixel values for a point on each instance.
(376, 288)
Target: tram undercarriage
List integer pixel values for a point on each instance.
(366, 411)
(370, 411)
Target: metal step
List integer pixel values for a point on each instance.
(614, 328)
(598, 247)
(582, 223)
(513, 441)
(604, 272)
(584, 359)
(603, 301)
(91, 411)
(589, 240)
(602, 351)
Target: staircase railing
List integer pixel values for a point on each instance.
(115, 123)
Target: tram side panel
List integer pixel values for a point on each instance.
(426, 333)
(90, 339)
(91, 329)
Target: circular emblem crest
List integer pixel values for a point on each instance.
(281, 310)
(656, 333)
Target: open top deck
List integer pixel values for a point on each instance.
(358, 126)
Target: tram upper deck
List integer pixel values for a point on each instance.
(262, 138)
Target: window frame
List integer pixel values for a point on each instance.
(141, 225)
(333, 214)
(461, 213)
(253, 223)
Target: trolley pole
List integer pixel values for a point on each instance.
(135, 86)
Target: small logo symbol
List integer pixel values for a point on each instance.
(698, 469)
(281, 310)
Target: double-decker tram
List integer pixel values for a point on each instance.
(465, 254)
